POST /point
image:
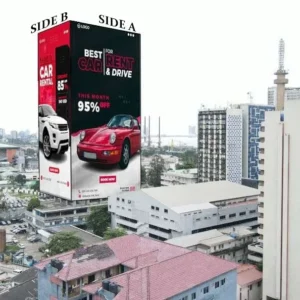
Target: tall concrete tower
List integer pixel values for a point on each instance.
(281, 81)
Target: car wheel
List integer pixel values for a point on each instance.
(125, 156)
(47, 146)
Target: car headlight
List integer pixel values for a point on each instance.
(55, 126)
(112, 138)
(82, 135)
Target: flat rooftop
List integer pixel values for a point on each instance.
(197, 193)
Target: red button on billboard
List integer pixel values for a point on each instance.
(107, 179)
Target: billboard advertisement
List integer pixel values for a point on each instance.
(106, 108)
(53, 113)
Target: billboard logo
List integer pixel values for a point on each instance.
(82, 26)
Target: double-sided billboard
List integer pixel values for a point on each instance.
(96, 94)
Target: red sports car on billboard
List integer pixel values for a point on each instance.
(113, 143)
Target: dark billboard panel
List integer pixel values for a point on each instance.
(54, 116)
(89, 111)
(106, 109)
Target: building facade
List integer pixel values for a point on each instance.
(172, 211)
(291, 93)
(279, 202)
(220, 145)
(174, 177)
(253, 116)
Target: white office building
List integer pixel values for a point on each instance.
(167, 212)
(279, 204)
(220, 145)
(175, 177)
(291, 93)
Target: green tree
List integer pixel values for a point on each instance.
(114, 233)
(36, 186)
(62, 242)
(157, 167)
(148, 151)
(33, 203)
(143, 175)
(30, 152)
(99, 220)
(20, 179)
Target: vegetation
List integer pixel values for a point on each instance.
(18, 180)
(33, 203)
(36, 186)
(99, 220)
(114, 233)
(157, 167)
(2, 205)
(12, 248)
(188, 160)
(143, 175)
(63, 242)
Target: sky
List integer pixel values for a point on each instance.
(193, 53)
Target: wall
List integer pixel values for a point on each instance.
(227, 291)
(10, 153)
(244, 293)
(234, 145)
(256, 116)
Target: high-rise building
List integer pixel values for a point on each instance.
(220, 145)
(253, 116)
(279, 204)
(291, 93)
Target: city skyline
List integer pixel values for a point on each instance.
(207, 79)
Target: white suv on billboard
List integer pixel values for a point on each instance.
(53, 131)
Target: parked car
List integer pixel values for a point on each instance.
(14, 240)
(8, 222)
(3, 223)
(18, 271)
(21, 246)
(21, 231)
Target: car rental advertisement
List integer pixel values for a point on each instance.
(53, 112)
(106, 109)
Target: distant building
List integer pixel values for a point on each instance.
(133, 267)
(253, 116)
(291, 93)
(172, 211)
(14, 134)
(192, 130)
(220, 145)
(170, 162)
(174, 177)
(228, 243)
(249, 283)
(7, 152)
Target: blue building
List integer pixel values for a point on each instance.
(253, 116)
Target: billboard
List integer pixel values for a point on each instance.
(53, 118)
(96, 95)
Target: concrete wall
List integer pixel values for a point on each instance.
(223, 292)
(245, 293)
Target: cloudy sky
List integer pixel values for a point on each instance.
(193, 53)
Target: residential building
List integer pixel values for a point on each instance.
(220, 145)
(133, 267)
(170, 162)
(249, 285)
(14, 134)
(7, 152)
(172, 211)
(229, 244)
(279, 202)
(253, 116)
(291, 93)
(175, 177)
(56, 212)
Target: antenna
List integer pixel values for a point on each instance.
(281, 55)
(250, 97)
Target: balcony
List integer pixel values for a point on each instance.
(260, 220)
(262, 134)
(255, 258)
(159, 233)
(260, 231)
(256, 247)
(260, 209)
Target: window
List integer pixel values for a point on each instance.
(250, 287)
(217, 284)
(123, 200)
(166, 211)
(222, 217)
(252, 211)
(129, 201)
(118, 199)
(223, 281)
(157, 208)
(110, 206)
(206, 290)
(193, 296)
(242, 213)
(184, 298)
(259, 284)
(232, 215)
(152, 207)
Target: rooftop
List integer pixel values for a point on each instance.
(178, 195)
(248, 274)
(6, 146)
(166, 279)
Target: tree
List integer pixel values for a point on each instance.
(33, 203)
(188, 160)
(36, 186)
(114, 233)
(62, 242)
(30, 152)
(19, 179)
(14, 161)
(143, 175)
(157, 167)
(99, 220)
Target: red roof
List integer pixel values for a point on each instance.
(168, 278)
(248, 274)
(131, 250)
